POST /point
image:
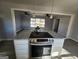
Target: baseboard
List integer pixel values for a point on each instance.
(73, 39)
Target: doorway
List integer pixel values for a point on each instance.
(56, 25)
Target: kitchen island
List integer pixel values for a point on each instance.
(25, 43)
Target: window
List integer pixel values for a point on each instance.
(37, 22)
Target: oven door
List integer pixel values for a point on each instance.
(40, 50)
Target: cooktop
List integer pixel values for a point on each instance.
(40, 35)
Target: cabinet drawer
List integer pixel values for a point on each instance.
(58, 42)
(18, 42)
(21, 47)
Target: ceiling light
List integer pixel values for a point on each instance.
(51, 16)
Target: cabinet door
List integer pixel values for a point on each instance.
(58, 42)
(21, 49)
(57, 47)
(21, 42)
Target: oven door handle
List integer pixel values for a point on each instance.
(39, 44)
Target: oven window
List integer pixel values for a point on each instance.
(42, 40)
(37, 22)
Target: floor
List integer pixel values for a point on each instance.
(69, 50)
(7, 49)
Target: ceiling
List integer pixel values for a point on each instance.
(31, 2)
(57, 5)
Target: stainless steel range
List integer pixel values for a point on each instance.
(40, 44)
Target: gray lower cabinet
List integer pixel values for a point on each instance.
(21, 49)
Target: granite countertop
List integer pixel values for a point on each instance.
(40, 35)
(26, 34)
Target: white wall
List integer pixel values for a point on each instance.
(48, 23)
(63, 25)
(74, 29)
(25, 21)
(18, 21)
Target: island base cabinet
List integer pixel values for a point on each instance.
(57, 47)
(21, 49)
